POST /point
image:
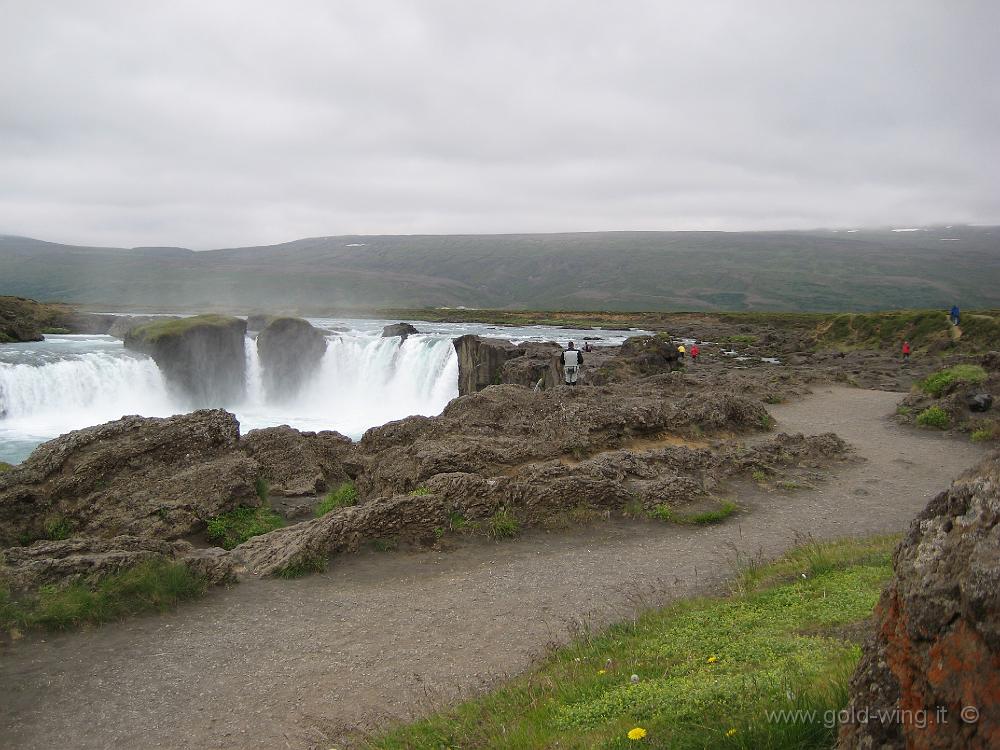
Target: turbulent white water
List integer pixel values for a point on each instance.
(68, 382)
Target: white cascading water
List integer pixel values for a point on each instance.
(362, 381)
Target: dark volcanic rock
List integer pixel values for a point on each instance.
(258, 322)
(398, 329)
(203, 357)
(298, 463)
(139, 476)
(937, 638)
(979, 402)
(290, 351)
(480, 360)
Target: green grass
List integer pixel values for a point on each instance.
(985, 434)
(303, 566)
(941, 382)
(153, 586)
(339, 497)
(421, 492)
(701, 518)
(708, 670)
(231, 529)
(5, 467)
(933, 416)
(152, 332)
(57, 528)
(503, 525)
(263, 489)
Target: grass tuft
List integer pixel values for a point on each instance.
(503, 525)
(153, 586)
(340, 497)
(933, 416)
(306, 564)
(231, 529)
(942, 382)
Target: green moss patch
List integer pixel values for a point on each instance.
(340, 497)
(941, 382)
(154, 586)
(231, 529)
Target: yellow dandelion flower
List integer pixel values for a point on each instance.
(602, 671)
(731, 732)
(713, 659)
(636, 734)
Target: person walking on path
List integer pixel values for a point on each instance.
(695, 351)
(906, 351)
(571, 360)
(955, 315)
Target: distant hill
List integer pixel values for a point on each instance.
(807, 271)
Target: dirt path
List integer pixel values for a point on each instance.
(292, 664)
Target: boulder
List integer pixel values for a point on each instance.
(88, 559)
(298, 463)
(979, 402)
(140, 476)
(480, 361)
(202, 357)
(937, 637)
(398, 329)
(290, 351)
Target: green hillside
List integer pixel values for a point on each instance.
(627, 271)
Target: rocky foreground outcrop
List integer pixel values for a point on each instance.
(290, 350)
(937, 639)
(203, 357)
(139, 476)
(297, 463)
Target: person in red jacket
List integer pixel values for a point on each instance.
(695, 351)
(906, 351)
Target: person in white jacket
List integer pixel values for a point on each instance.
(571, 360)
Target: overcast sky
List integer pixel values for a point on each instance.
(220, 123)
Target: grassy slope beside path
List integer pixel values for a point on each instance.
(706, 671)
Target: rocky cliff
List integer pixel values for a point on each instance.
(290, 351)
(935, 654)
(202, 357)
(139, 476)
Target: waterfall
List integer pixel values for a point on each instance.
(55, 397)
(363, 380)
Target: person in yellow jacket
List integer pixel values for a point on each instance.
(681, 351)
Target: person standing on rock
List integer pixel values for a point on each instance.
(906, 351)
(571, 360)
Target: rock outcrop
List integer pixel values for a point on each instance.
(672, 475)
(290, 350)
(937, 637)
(122, 324)
(88, 559)
(297, 463)
(139, 476)
(203, 357)
(480, 360)
(398, 329)
(509, 425)
(26, 320)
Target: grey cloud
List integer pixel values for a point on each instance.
(245, 122)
